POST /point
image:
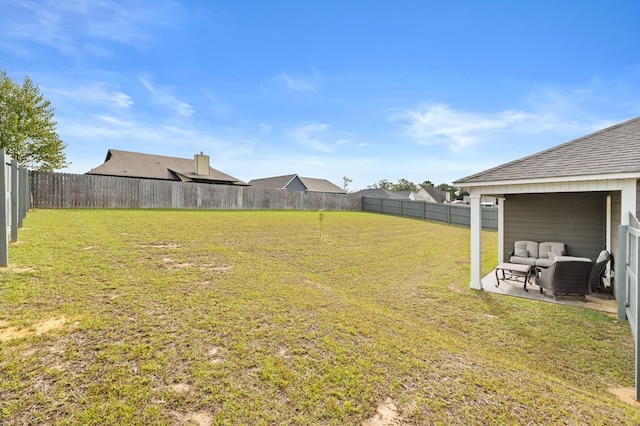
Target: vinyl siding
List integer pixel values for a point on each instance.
(296, 185)
(576, 219)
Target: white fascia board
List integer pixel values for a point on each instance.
(557, 179)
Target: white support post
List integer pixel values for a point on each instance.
(501, 201)
(476, 242)
(628, 200)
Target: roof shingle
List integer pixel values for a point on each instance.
(615, 149)
(151, 166)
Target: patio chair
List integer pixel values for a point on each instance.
(597, 273)
(567, 275)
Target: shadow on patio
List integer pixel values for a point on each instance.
(604, 302)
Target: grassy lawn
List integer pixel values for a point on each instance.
(280, 318)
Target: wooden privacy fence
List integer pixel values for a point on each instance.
(61, 190)
(627, 273)
(448, 213)
(14, 203)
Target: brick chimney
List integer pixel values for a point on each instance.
(201, 162)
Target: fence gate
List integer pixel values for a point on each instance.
(627, 277)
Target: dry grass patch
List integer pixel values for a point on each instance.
(8, 332)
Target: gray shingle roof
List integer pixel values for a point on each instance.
(151, 166)
(312, 184)
(615, 149)
(275, 182)
(383, 193)
(438, 195)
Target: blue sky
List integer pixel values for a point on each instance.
(371, 90)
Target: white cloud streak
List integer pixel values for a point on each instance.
(318, 137)
(299, 83)
(162, 96)
(79, 26)
(98, 94)
(544, 111)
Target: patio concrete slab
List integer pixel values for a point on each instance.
(604, 302)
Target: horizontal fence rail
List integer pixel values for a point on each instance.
(454, 214)
(62, 190)
(14, 203)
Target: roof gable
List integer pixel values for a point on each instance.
(275, 182)
(290, 181)
(613, 150)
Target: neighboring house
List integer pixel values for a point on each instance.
(159, 167)
(433, 195)
(386, 194)
(578, 193)
(297, 183)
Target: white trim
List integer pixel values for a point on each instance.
(562, 179)
(501, 201)
(608, 234)
(628, 200)
(545, 187)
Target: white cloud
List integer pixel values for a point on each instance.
(264, 128)
(568, 112)
(435, 124)
(307, 135)
(96, 93)
(162, 96)
(75, 27)
(299, 83)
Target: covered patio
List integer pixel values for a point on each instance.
(603, 302)
(578, 193)
(584, 194)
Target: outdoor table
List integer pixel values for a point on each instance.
(515, 270)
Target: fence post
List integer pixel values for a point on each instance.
(4, 236)
(22, 195)
(621, 273)
(14, 200)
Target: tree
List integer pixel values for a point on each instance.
(27, 129)
(383, 184)
(345, 182)
(401, 185)
(405, 185)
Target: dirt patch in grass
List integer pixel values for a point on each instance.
(160, 245)
(627, 395)
(175, 265)
(386, 415)
(201, 418)
(9, 333)
(181, 387)
(16, 269)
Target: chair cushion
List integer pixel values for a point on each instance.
(530, 246)
(572, 259)
(556, 247)
(543, 262)
(523, 260)
(520, 252)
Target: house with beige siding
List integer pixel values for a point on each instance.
(579, 193)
